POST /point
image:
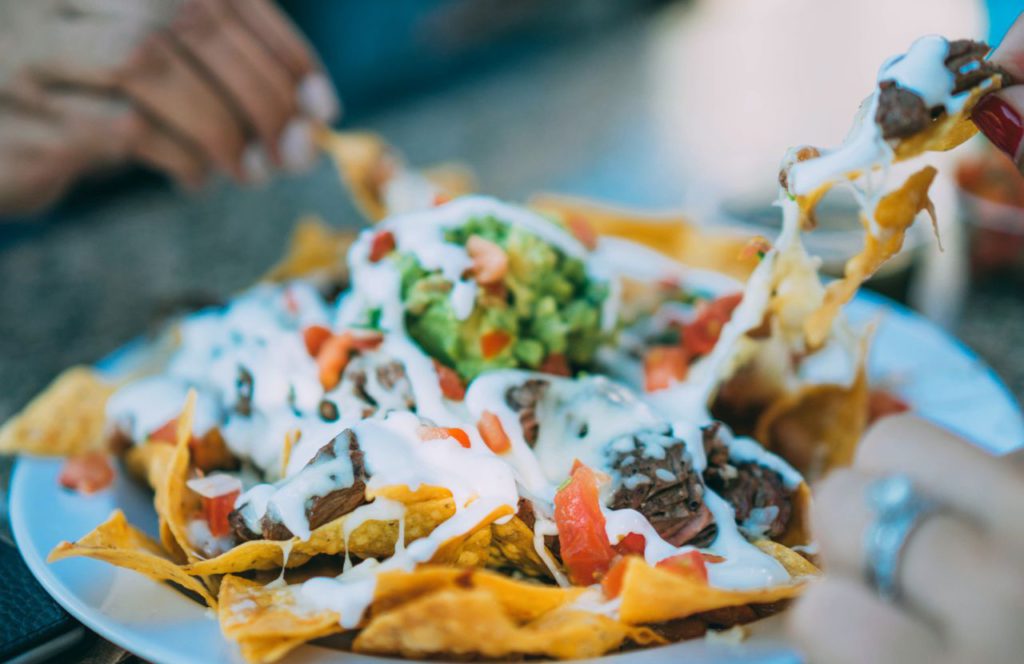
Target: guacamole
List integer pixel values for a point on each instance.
(545, 306)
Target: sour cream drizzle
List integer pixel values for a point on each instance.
(921, 70)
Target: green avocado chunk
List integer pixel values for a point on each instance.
(546, 304)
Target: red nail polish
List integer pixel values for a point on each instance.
(1000, 122)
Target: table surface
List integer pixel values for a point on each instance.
(575, 119)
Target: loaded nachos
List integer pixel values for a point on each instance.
(515, 431)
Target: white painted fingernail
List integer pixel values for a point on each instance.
(317, 98)
(255, 164)
(296, 144)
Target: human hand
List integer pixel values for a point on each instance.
(184, 86)
(1000, 116)
(961, 572)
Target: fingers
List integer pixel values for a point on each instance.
(959, 474)
(316, 95)
(35, 165)
(272, 28)
(841, 622)
(163, 83)
(998, 116)
(258, 85)
(1010, 52)
(946, 565)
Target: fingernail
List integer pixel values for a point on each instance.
(317, 98)
(255, 164)
(1000, 122)
(296, 144)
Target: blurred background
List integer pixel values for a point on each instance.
(685, 105)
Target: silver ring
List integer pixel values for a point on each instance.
(899, 509)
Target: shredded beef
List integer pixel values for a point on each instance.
(747, 487)
(524, 400)
(321, 509)
(902, 113)
(392, 377)
(674, 505)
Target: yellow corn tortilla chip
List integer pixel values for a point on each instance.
(116, 542)
(673, 235)
(65, 419)
(949, 130)
(795, 564)
(372, 539)
(512, 544)
(364, 162)
(893, 216)
(469, 621)
(172, 499)
(817, 427)
(653, 595)
(798, 531)
(265, 622)
(314, 248)
(149, 460)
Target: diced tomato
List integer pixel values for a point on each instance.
(700, 336)
(611, 584)
(365, 339)
(632, 543)
(218, 493)
(441, 198)
(555, 364)
(883, 402)
(167, 433)
(689, 564)
(582, 230)
(664, 366)
(216, 511)
(452, 386)
(490, 262)
(493, 342)
(315, 336)
(87, 473)
(382, 244)
(582, 540)
(332, 358)
(493, 433)
(439, 433)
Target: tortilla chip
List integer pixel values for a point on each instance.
(673, 235)
(948, 131)
(798, 531)
(512, 545)
(372, 539)
(314, 248)
(893, 216)
(265, 622)
(118, 543)
(817, 427)
(452, 178)
(364, 162)
(468, 621)
(795, 564)
(172, 499)
(67, 418)
(653, 594)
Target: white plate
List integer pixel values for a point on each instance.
(939, 376)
